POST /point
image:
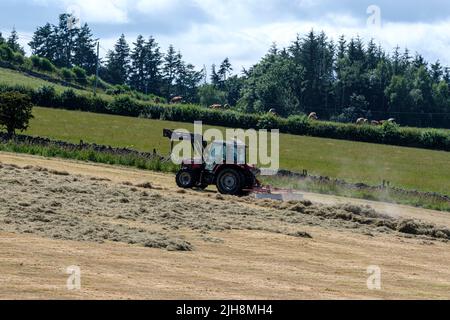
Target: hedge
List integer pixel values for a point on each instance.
(390, 134)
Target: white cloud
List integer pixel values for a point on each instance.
(244, 29)
(153, 6)
(100, 11)
(209, 43)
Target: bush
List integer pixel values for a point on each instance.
(125, 106)
(433, 138)
(27, 63)
(6, 54)
(18, 58)
(118, 90)
(17, 88)
(46, 65)
(42, 64)
(69, 99)
(15, 111)
(36, 62)
(299, 124)
(80, 75)
(72, 101)
(268, 122)
(390, 132)
(209, 95)
(46, 96)
(67, 74)
(99, 105)
(101, 84)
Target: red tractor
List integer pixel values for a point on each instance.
(221, 163)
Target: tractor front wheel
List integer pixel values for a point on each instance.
(229, 182)
(186, 179)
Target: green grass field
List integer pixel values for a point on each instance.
(353, 161)
(11, 77)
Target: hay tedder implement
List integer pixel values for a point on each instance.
(223, 164)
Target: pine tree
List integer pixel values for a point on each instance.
(171, 65)
(381, 78)
(233, 87)
(64, 42)
(225, 69)
(405, 61)
(118, 62)
(436, 72)
(371, 56)
(446, 76)
(342, 48)
(423, 83)
(43, 42)
(215, 78)
(137, 69)
(398, 94)
(419, 62)
(306, 54)
(356, 53)
(396, 61)
(13, 42)
(341, 66)
(84, 49)
(187, 81)
(152, 67)
(2, 40)
(273, 49)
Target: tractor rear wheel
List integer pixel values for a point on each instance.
(229, 182)
(186, 179)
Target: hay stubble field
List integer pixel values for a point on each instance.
(134, 235)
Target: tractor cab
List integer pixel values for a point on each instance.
(225, 152)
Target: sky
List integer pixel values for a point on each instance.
(207, 31)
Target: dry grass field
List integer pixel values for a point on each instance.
(135, 236)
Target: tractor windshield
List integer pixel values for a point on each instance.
(225, 152)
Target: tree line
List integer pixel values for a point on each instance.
(146, 69)
(340, 81)
(66, 45)
(347, 80)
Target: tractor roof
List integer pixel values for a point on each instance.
(237, 142)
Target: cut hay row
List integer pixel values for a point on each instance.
(63, 206)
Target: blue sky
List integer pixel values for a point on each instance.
(206, 31)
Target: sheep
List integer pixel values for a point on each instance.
(177, 99)
(362, 121)
(313, 116)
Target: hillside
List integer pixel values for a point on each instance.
(12, 78)
(120, 100)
